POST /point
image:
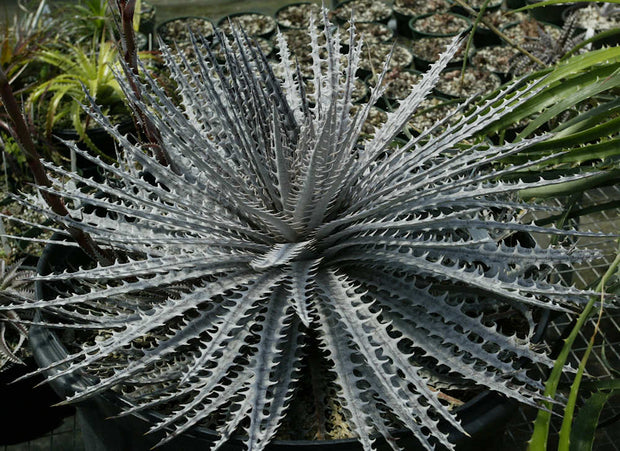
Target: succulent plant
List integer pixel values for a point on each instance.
(608, 9)
(546, 48)
(14, 287)
(20, 37)
(279, 233)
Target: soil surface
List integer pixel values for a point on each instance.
(297, 15)
(441, 24)
(474, 81)
(365, 11)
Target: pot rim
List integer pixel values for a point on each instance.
(282, 8)
(262, 34)
(424, 34)
(160, 27)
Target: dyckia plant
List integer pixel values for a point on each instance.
(14, 286)
(279, 232)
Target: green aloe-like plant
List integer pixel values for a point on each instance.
(59, 100)
(277, 233)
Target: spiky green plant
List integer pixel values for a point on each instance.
(278, 237)
(58, 101)
(14, 286)
(546, 48)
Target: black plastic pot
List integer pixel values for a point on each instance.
(483, 59)
(514, 4)
(266, 46)
(176, 30)
(455, 74)
(360, 7)
(389, 101)
(265, 32)
(404, 12)
(370, 66)
(418, 33)
(148, 18)
(549, 13)
(25, 398)
(483, 417)
(29, 411)
(422, 62)
(432, 102)
(371, 33)
(484, 37)
(301, 22)
(493, 5)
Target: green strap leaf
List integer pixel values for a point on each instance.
(538, 441)
(555, 2)
(562, 83)
(582, 87)
(584, 427)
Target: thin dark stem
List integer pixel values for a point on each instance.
(495, 30)
(126, 9)
(21, 133)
